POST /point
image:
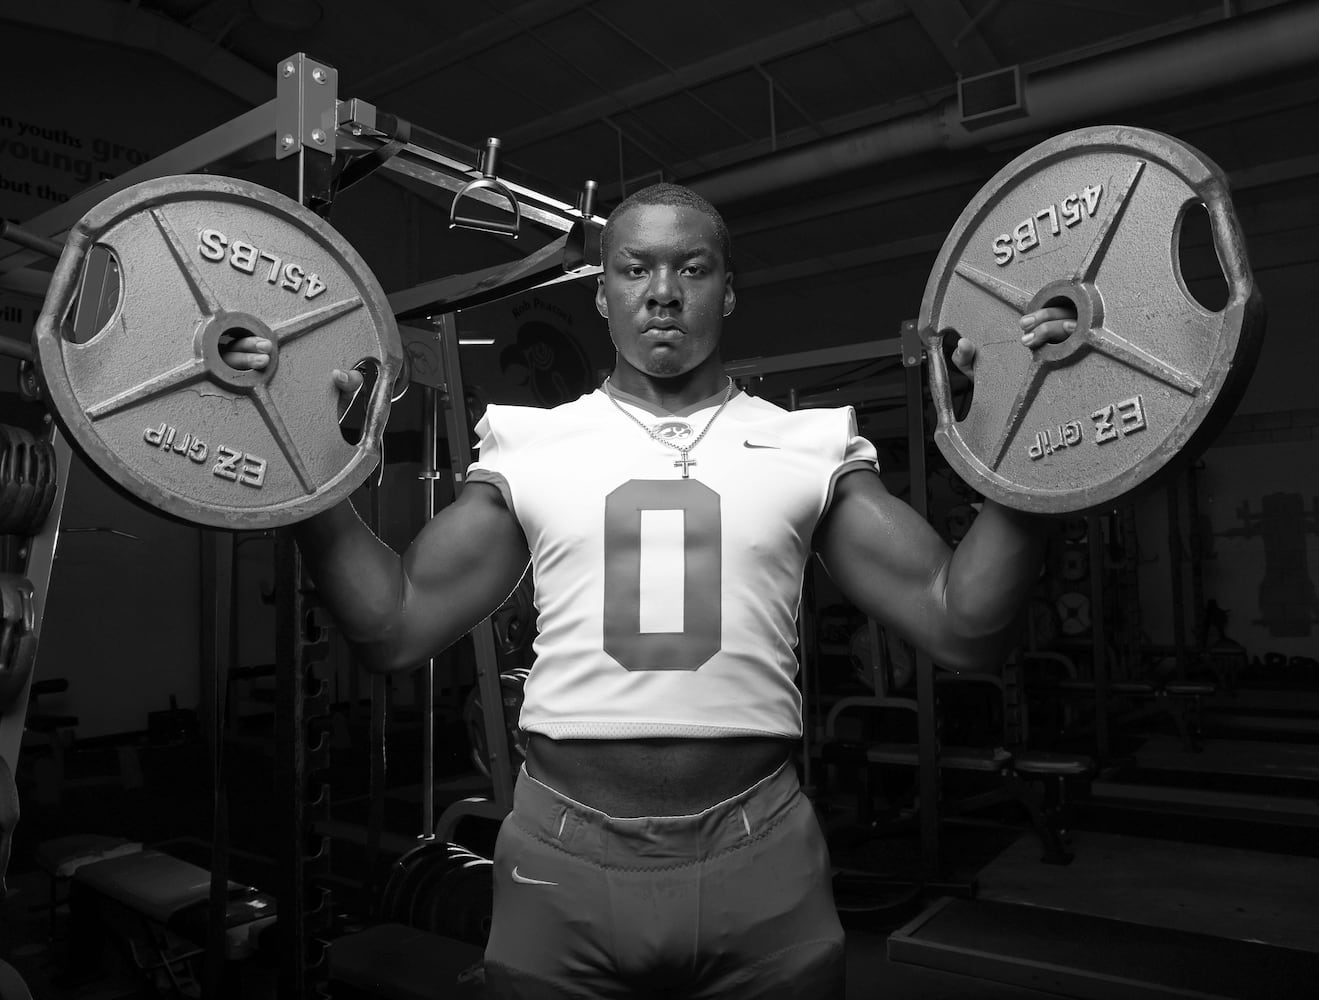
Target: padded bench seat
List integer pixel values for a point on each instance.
(1190, 689)
(1114, 687)
(1043, 763)
(951, 757)
(176, 895)
(62, 856)
(1177, 699)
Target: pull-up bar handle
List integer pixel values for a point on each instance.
(487, 181)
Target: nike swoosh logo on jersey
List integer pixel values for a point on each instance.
(748, 444)
(529, 881)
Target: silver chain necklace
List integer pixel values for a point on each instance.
(684, 461)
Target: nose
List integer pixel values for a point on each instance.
(664, 289)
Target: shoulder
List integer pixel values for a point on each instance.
(835, 423)
(510, 422)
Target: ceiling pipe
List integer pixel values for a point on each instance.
(1090, 91)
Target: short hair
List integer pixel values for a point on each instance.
(670, 194)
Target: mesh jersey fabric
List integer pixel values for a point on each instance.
(666, 606)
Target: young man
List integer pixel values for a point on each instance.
(659, 843)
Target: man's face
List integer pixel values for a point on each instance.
(664, 289)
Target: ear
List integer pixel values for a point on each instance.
(601, 303)
(730, 297)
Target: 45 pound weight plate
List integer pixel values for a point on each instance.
(1091, 217)
(148, 400)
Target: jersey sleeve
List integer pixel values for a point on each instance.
(858, 453)
(493, 456)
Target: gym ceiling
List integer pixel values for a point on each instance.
(841, 139)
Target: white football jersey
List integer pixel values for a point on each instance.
(666, 606)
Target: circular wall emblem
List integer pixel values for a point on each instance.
(556, 368)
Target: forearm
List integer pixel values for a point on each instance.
(990, 577)
(358, 577)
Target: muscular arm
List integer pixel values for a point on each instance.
(961, 605)
(396, 610)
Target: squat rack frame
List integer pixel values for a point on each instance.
(907, 346)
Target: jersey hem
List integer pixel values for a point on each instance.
(615, 730)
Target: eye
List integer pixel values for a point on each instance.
(634, 271)
(696, 270)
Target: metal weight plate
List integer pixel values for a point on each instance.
(148, 400)
(10, 484)
(18, 640)
(512, 684)
(1092, 217)
(1073, 613)
(456, 900)
(27, 467)
(48, 485)
(396, 897)
(432, 868)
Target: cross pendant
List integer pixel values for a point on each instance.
(684, 462)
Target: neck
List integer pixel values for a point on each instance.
(672, 393)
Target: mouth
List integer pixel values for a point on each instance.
(663, 331)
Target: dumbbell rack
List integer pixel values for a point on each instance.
(31, 557)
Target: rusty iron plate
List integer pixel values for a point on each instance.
(1091, 217)
(148, 399)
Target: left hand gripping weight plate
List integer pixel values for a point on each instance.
(148, 400)
(1090, 217)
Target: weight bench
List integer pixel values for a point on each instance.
(62, 857)
(158, 907)
(397, 962)
(1017, 772)
(1181, 701)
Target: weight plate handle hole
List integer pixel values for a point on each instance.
(98, 296)
(1199, 271)
(352, 420)
(961, 388)
(227, 341)
(1063, 302)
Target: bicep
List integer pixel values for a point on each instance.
(885, 558)
(461, 565)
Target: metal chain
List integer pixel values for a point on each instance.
(650, 433)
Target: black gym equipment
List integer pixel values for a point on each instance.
(312, 170)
